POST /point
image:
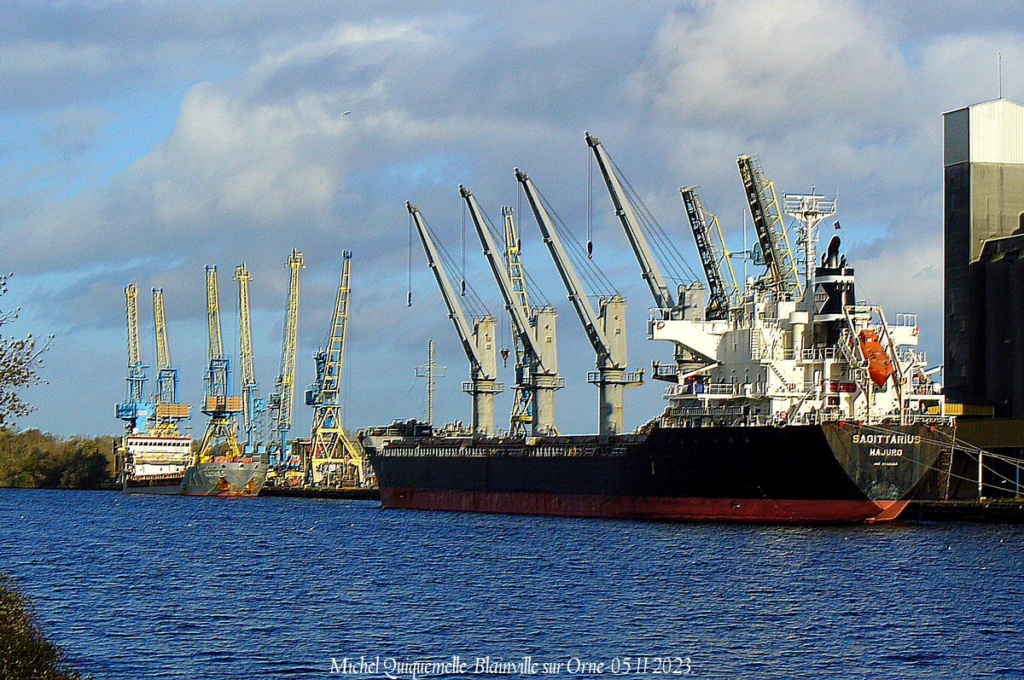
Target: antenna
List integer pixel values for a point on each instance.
(1000, 70)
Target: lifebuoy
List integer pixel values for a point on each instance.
(660, 325)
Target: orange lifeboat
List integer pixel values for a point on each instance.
(879, 364)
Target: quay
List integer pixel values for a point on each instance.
(349, 494)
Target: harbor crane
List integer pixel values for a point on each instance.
(688, 301)
(723, 291)
(282, 400)
(334, 457)
(606, 330)
(522, 405)
(253, 406)
(135, 409)
(221, 437)
(535, 328)
(479, 343)
(168, 412)
(781, 275)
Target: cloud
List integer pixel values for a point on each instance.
(760, 66)
(260, 157)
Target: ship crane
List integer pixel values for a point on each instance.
(253, 406)
(537, 331)
(221, 436)
(649, 267)
(689, 301)
(781, 275)
(168, 412)
(282, 400)
(707, 235)
(134, 410)
(479, 343)
(605, 330)
(522, 405)
(333, 455)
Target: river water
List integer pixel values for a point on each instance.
(146, 587)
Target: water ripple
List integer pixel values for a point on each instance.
(146, 587)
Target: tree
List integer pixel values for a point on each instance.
(20, 361)
(25, 653)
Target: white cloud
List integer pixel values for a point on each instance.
(763, 65)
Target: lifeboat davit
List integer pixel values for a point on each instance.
(879, 365)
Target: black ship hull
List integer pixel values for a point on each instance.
(817, 473)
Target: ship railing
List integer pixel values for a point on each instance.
(710, 389)
(627, 378)
(904, 319)
(818, 353)
(664, 371)
(910, 356)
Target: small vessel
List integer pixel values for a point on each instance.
(156, 464)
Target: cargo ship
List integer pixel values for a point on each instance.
(789, 399)
(156, 464)
(827, 472)
(225, 476)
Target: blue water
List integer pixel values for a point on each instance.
(168, 587)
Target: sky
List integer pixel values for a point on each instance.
(144, 141)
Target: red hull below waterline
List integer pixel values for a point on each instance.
(647, 508)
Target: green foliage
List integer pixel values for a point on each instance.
(34, 460)
(25, 653)
(20, 361)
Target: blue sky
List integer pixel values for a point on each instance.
(143, 141)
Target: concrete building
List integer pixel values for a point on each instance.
(983, 158)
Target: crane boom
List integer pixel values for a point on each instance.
(167, 411)
(537, 333)
(566, 270)
(706, 228)
(478, 343)
(283, 399)
(163, 351)
(781, 272)
(218, 375)
(451, 297)
(520, 318)
(136, 369)
(252, 405)
(649, 267)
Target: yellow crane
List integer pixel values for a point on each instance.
(282, 400)
(252, 405)
(710, 241)
(334, 457)
(522, 405)
(781, 275)
(221, 437)
(168, 412)
(134, 410)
